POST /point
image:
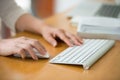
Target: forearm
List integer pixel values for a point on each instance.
(29, 23)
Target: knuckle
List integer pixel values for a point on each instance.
(63, 37)
(28, 46)
(49, 39)
(34, 42)
(20, 50)
(23, 37)
(59, 30)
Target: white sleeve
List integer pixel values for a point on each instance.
(117, 2)
(10, 12)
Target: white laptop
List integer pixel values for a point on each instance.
(96, 20)
(87, 8)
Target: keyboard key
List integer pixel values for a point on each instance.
(86, 54)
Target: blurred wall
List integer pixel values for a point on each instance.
(62, 5)
(46, 8)
(25, 4)
(43, 8)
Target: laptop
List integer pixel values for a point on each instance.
(87, 8)
(96, 20)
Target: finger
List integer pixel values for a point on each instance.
(76, 40)
(36, 44)
(79, 39)
(29, 49)
(49, 38)
(63, 37)
(21, 52)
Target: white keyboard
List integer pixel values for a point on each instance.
(86, 54)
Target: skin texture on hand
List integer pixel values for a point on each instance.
(32, 24)
(20, 46)
(50, 34)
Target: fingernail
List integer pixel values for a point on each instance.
(71, 45)
(81, 41)
(44, 51)
(36, 58)
(23, 56)
(54, 44)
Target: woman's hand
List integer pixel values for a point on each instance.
(32, 24)
(50, 34)
(20, 46)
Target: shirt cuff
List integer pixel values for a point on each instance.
(10, 20)
(10, 13)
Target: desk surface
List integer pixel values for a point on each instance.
(107, 68)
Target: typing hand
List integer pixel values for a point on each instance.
(20, 46)
(50, 34)
(32, 24)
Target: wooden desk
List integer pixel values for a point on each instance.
(107, 68)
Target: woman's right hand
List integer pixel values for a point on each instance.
(20, 46)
